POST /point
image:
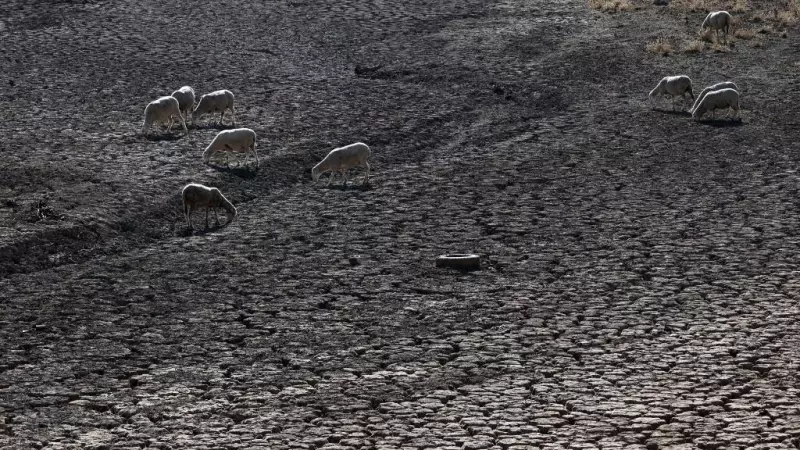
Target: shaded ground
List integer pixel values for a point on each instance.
(639, 283)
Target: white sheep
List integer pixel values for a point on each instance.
(162, 110)
(197, 196)
(721, 99)
(716, 87)
(343, 159)
(236, 140)
(185, 97)
(217, 101)
(718, 21)
(678, 85)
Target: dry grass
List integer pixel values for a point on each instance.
(744, 33)
(660, 46)
(739, 7)
(695, 46)
(787, 18)
(612, 5)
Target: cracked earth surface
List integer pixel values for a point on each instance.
(638, 285)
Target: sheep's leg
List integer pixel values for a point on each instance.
(188, 211)
(233, 116)
(366, 175)
(216, 217)
(255, 154)
(183, 122)
(207, 208)
(221, 116)
(330, 179)
(344, 175)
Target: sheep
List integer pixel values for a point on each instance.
(160, 111)
(239, 139)
(196, 196)
(217, 101)
(716, 87)
(721, 99)
(718, 20)
(678, 85)
(185, 96)
(343, 159)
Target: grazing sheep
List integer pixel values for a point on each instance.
(239, 139)
(721, 99)
(716, 87)
(197, 196)
(342, 159)
(718, 21)
(185, 96)
(217, 101)
(161, 110)
(678, 85)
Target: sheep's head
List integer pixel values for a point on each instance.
(207, 154)
(316, 172)
(199, 104)
(230, 212)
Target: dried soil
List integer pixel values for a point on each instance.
(638, 286)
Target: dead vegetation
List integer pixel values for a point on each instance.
(693, 46)
(744, 34)
(612, 5)
(660, 46)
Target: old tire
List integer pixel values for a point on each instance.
(459, 261)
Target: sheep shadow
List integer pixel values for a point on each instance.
(211, 126)
(723, 123)
(671, 112)
(187, 232)
(243, 172)
(164, 137)
(350, 187)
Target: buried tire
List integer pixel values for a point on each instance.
(459, 261)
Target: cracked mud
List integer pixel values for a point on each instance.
(638, 285)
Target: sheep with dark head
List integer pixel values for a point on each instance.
(198, 196)
(185, 97)
(236, 140)
(341, 160)
(674, 86)
(718, 21)
(217, 101)
(162, 110)
(715, 87)
(714, 100)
